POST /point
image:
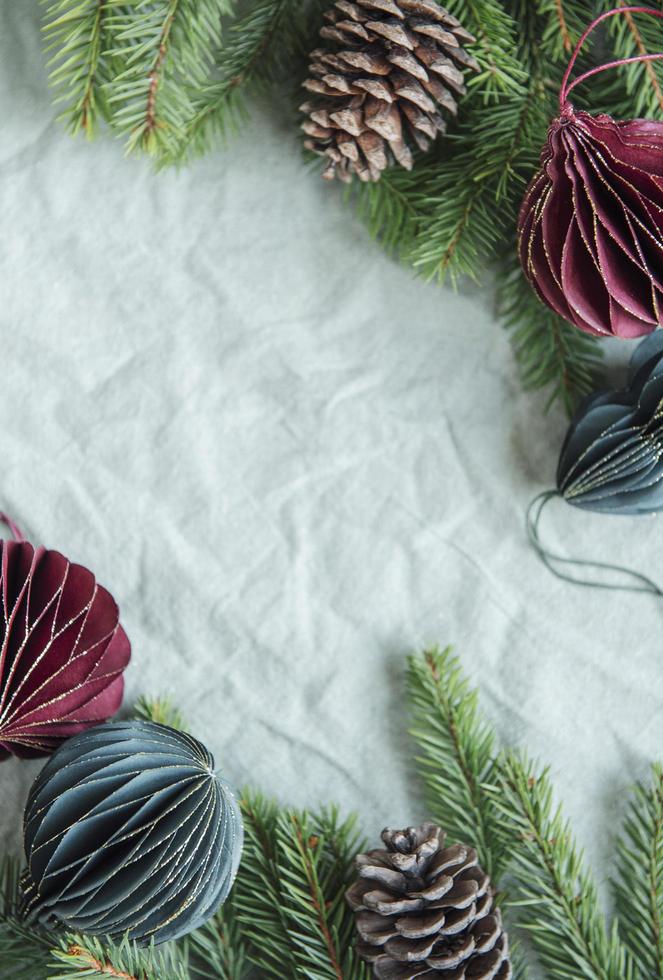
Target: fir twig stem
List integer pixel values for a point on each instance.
(545, 848)
(447, 710)
(106, 969)
(457, 754)
(563, 27)
(642, 50)
(157, 71)
(556, 894)
(450, 251)
(316, 902)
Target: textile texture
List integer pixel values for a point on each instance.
(292, 462)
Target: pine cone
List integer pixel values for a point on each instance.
(378, 85)
(424, 910)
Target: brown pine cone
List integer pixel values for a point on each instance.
(425, 911)
(379, 84)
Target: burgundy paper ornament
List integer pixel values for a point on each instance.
(62, 649)
(590, 228)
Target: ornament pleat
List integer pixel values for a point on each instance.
(129, 830)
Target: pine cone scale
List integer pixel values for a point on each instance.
(404, 55)
(455, 957)
(487, 932)
(417, 927)
(385, 6)
(461, 896)
(425, 910)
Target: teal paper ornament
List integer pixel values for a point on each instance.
(612, 458)
(128, 829)
(612, 461)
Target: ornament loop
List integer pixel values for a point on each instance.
(16, 532)
(567, 88)
(631, 581)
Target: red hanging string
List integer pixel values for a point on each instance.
(566, 88)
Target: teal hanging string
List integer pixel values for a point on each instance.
(631, 581)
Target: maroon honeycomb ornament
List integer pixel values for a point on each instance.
(590, 228)
(62, 649)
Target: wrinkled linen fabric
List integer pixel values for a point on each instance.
(292, 462)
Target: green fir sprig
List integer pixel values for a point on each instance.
(161, 711)
(218, 949)
(456, 755)
(77, 956)
(639, 881)
(76, 42)
(554, 891)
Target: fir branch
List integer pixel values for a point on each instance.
(555, 894)
(316, 860)
(495, 47)
(299, 846)
(457, 750)
(160, 710)
(23, 950)
(247, 55)
(257, 893)
(469, 200)
(639, 885)
(634, 34)
(10, 886)
(290, 893)
(164, 50)
(82, 960)
(218, 949)
(33, 953)
(463, 229)
(75, 32)
(561, 22)
(551, 353)
(86, 956)
(388, 207)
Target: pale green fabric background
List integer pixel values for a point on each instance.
(292, 462)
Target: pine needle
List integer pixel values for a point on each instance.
(162, 52)
(78, 956)
(160, 710)
(639, 884)
(551, 353)
(290, 893)
(555, 895)
(457, 750)
(218, 949)
(76, 36)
